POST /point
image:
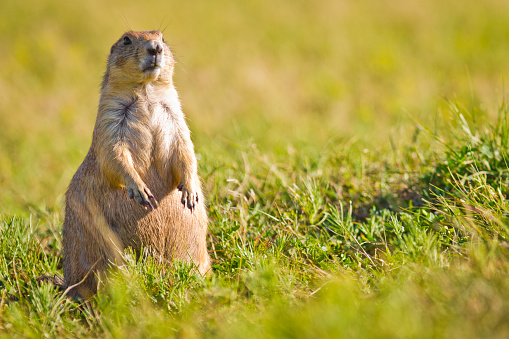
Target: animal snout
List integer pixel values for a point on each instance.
(153, 47)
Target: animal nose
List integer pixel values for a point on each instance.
(154, 47)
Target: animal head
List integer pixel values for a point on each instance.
(139, 58)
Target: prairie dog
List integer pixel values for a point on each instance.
(138, 185)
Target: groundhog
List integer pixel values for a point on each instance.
(138, 186)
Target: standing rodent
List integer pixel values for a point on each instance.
(126, 191)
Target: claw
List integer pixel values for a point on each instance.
(149, 204)
(151, 197)
(143, 196)
(189, 197)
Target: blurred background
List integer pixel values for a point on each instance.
(274, 73)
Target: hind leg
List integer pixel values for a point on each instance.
(88, 245)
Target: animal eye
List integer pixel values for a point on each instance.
(127, 41)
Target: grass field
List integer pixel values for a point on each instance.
(354, 156)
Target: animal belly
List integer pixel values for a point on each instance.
(171, 230)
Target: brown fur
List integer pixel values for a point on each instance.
(141, 148)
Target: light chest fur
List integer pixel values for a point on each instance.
(146, 123)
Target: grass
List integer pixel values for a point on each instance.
(354, 157)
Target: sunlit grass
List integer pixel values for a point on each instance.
(275, 73)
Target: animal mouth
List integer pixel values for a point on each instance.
(153, 63)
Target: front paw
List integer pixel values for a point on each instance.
(142, 195)
(189, 196)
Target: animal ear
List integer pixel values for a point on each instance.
(112, 48)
